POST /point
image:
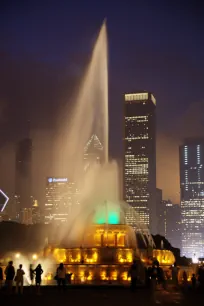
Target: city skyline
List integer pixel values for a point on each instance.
(42, 72)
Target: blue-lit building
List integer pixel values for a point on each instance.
(192, 198)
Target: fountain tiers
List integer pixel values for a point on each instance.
(106, 253)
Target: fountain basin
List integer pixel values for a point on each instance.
(105, 253)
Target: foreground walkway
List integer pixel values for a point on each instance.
(96, 296)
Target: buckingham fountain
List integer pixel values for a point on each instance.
(98, 244)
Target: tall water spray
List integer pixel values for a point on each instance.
(99, 187)
(88, 116)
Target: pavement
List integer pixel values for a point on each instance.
(100, 296)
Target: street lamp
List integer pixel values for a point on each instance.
(17, 255)
(34, 256)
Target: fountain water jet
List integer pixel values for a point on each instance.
(100, 183)
(108, 241)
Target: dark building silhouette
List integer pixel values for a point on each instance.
(23, 176)
(140, 158)
(160, 213)
(172, 222)
(169, 220)
(192, 197)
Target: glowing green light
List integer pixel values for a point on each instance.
(113, 218)
(109, 214)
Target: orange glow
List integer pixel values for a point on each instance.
(60, 255)
(125, 255)
(91, 258)
(164, 257)
(125, 276)
(114, 275)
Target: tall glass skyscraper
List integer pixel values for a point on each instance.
(192, 197)
(140, 158)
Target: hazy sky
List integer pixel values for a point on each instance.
(153, 45)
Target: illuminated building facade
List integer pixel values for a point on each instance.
(93, 152)
(140, 158)
(23, 176)
(36, 213)
(61, 195)
(192, 197)
(26, 216)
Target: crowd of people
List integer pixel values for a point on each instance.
(17, 276)
(154, 276)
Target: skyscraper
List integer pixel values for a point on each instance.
(61, 195)
(140, 156)
(160, 213)
(172, 222)
(93, 152)
(192, 197)
(23, 175)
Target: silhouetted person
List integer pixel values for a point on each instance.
(148, 272)
(160, 276)
(19, 279)
(31, 274)
(38, 272)
(153, 281)
(133, 273)
(1, 277)
(193, 281)
(201, 276)
(68, 278)
(174, 273)
(10, 273)
(61, 276)
(185, 278)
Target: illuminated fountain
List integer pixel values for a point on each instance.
(97, 244)
(106, 249)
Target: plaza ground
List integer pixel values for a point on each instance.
(98, 296)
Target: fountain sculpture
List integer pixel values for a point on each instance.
(98, 244)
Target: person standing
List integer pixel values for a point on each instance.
(193, 280)
(19, 279)
(61, 276)
(174, 271)
(10, 273)
(31, 272)
(1, 277)
(133, 273)
(38, 272)
(160, 276)
(153, 283)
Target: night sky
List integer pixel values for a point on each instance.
(153, 45)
